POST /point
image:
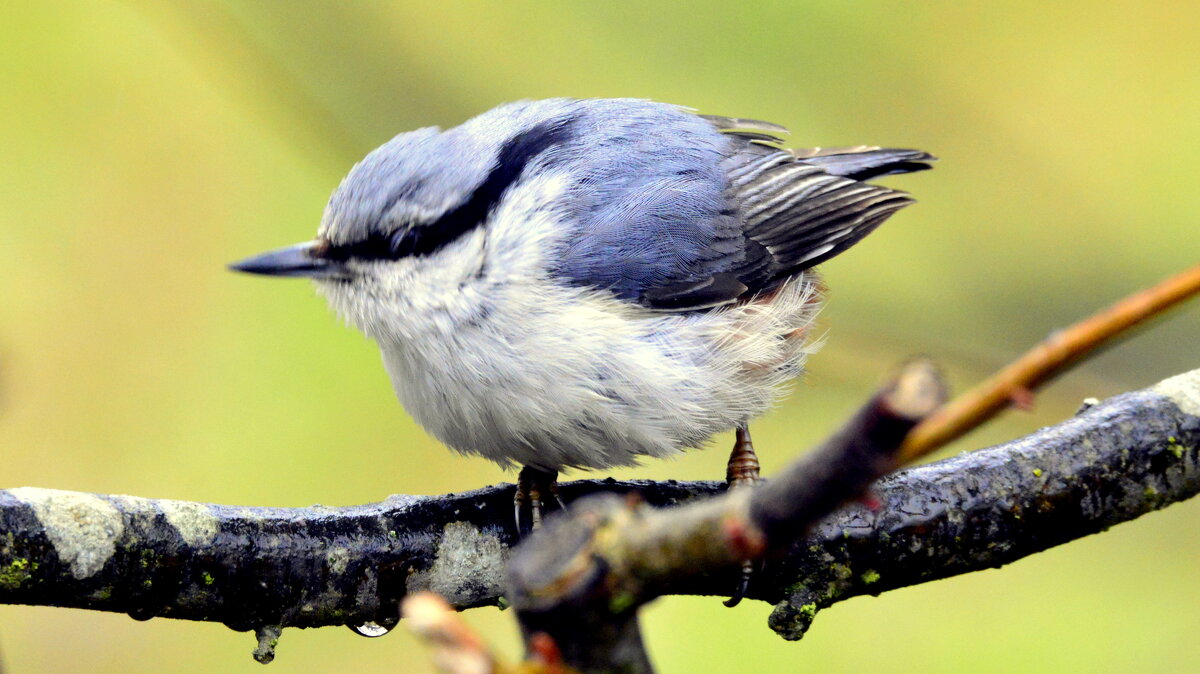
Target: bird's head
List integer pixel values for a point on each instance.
(403, 239)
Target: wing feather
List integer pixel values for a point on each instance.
(736, 124)
(795, 209)
(679, 212)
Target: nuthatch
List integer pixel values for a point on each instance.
(580, 283)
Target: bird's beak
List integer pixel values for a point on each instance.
(303, 259)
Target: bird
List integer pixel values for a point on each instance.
(580, 283)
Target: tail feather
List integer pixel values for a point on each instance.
(864, 163)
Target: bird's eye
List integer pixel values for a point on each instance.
(378, 246)
(404, 241)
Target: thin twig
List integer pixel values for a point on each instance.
(1045, 360)
(457, 649)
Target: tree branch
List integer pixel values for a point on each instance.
(262, 568)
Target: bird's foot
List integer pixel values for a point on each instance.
(741, 472)
(533, 485)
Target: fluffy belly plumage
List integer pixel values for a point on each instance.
(592, 382)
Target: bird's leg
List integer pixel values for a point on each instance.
(532, 483)
(741, 472)
(553, 489)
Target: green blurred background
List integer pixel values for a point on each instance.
(146, 144)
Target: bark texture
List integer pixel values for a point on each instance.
(266, 568)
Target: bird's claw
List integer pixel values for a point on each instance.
(531, 485)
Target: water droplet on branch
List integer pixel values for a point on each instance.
(370, 629)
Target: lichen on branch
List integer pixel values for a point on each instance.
(251, 568)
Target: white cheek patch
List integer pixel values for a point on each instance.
(523, 230)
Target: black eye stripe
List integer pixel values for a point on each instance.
(425, 239)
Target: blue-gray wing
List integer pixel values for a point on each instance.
(721, 212)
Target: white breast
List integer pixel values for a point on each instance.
(583, 380)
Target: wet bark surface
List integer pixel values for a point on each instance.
(261, 568)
